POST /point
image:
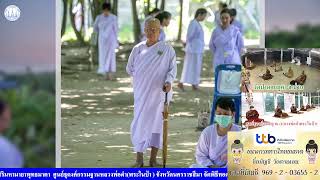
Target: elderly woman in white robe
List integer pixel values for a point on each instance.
(106, 26)
(226, 42)
(152, 65)
(194, 50)
(10, 156)
(212, 146)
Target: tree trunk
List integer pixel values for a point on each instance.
(115, 7)
(91, 6)
(82, 17)
(64, 17)
(180, 20)
(136, 24)
(95, 8)
(148, 7)
(157, 3)
(73, 24)
(162, 5)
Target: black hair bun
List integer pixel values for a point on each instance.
(237, 141)
(311, 141)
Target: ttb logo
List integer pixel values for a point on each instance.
(265, 139)
(12, 13)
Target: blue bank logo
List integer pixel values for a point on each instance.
(265, 139)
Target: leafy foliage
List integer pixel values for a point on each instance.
(33, 123)
(304, 36)
(252, 34)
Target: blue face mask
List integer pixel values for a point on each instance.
(223, 120)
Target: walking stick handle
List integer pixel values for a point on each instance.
(166, 99)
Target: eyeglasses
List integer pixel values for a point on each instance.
(152, 30)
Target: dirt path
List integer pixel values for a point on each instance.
(96, 114)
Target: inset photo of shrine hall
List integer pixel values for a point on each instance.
(284, 70)
(281, 110)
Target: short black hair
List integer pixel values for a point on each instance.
(200, 11)
(3, 106)
(226, 103)
(225, 11)
(224, 5)
(163, 15)
(106, 6)
(233, 12)
(155, 10)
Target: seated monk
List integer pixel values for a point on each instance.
(249, 64)
(303, 108)
(294, 109)
(274, 64)
(278, 113)
(299, 80)
(253, 116)
(312, 106)
(267, 75)
(289, 74)
(277, 68)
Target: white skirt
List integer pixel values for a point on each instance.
(192, 69)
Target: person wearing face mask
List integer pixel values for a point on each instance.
(213, 142)
(10, 156)
(226, 43)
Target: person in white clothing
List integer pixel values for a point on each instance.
(217, 18)
(10, 156)
(164, 18)
(106, 26)
(226, 42)
(212, 146)
(234, 21)
(152, 65)
(194, 51)
(152, 14)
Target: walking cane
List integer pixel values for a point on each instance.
(165, 114)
